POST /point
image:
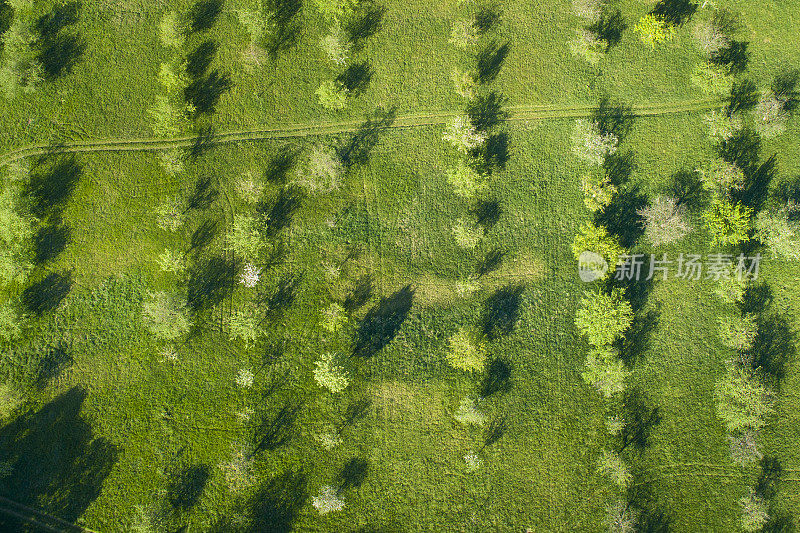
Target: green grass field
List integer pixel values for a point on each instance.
(106, 427)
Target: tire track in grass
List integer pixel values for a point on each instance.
(287, 131)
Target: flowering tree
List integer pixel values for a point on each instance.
(778, 230)
(327, 501)
(590, 144)
(664, 221)
(332, 95)
(463, 135)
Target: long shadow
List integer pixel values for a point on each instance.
(356, 78)
(274, 508)
(757, 299)
(653, 517)
(773, 348)
(609, 27)
(6, 18)
(203, 196)
(53, 460)
(280, 166)
(743, 98)
(358, 148)
(742, 149)
(205, 92)
(286, 24)
(501, 311)
(362, 292)
(46, 295)
(365, 22)
(487, 213)
(688, 189)
(615, 118)
(203, 142)
(619, 167)
(639, 420)
(497, 428)
(490, 262)
(52, 184)
(50, 362)
(490, 61)
(210, 282)
(282, 297)
(492, 155)
(497, 378)
(356, 411)
(734, 57)
(757, 185)
(276, 429)
(352, 474)
(59, 52)
(621, 218)
(636, 341)
(205, 233)
(185, 489)
(278, 215)
(769, 478)
(486, 111)
(675, 12)
(785, 86)
(487, 17)
(50, 241)
(204, 14)
(200, 59)
(381, 323)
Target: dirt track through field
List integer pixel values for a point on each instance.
(518, 114)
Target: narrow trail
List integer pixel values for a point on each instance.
(520, 113)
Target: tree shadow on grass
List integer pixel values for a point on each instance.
(487, 213)
(50, 241)
(358, 148)
(365, 22)
(381, 323)
(355, 412)
(198, 61)
(609, 27)
(286, 24)
(352, 474)
(210, 282)
(773, 348)
(203, 142)
(205, 233)
(757, 185)
(45, 295)
(280, 166)
(276, 429)
(490, 61)
(204, 14)
(497, 428)
(501, 311)
(674, 12)
(487, 17)
(734, 57)
(757, 299)
(279, 214)
(637, 339)
(203, 196)
(492, 155)
(621, 218)
(688, 189)
(185, 489)
(275, 506)
(205, 92)
(615, 118)
(742, 149)
(769, 478)
(486, 111)
(743, 98)
(360, 295)
(785, 86)
(282, 297)
(54, 461)
(490, 262)
(639, 420)
(619, 167)
(59, 52)
(356, 78)
(497, 378)
(51, 187)
(50, 362)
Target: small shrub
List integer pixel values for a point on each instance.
(654, 31)
(728, 223)
(332, 95)
(465, 353)
(597, 190)
(589, 144)
(171, 261)
(664, 221)
(603, 318)
(166, 316)
(467, 235)
(464, 34)
(250, 275)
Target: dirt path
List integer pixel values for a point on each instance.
(518, 113)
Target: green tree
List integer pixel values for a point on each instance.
(728, 223)
(603, 318)
(712, 79)
(597, 239)
(611, 464)
(653, 30)
(466, 182)
(779, 231)
(464, 352)
(245, 238)
(605, 371)
(598, 190)
(588, 45)
(166, 316)
(737, 332)
(330, 375)
(332, 95)
(743, 401)
(467, 235)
